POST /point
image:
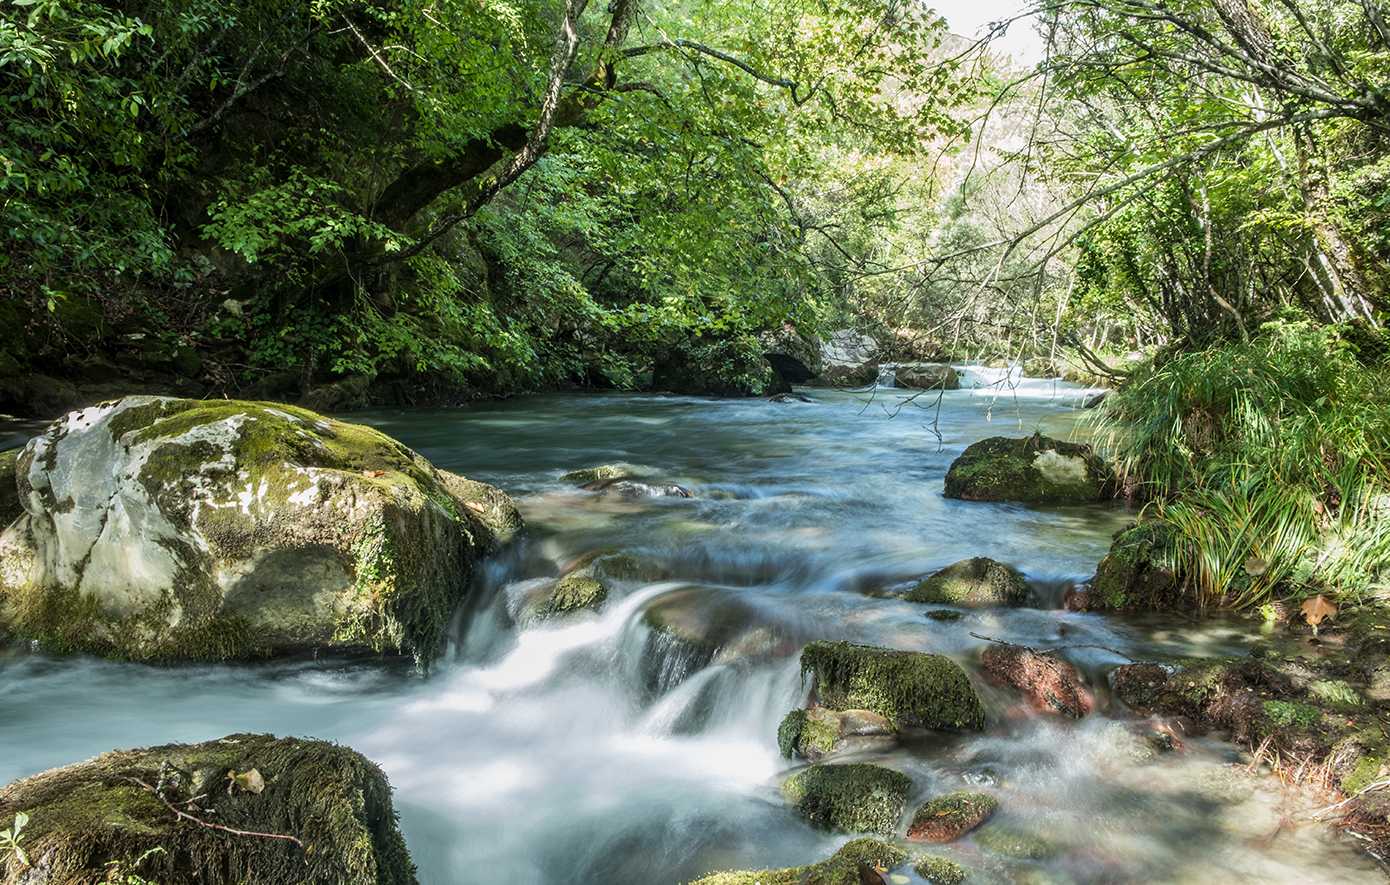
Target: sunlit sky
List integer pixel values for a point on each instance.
(971, 18)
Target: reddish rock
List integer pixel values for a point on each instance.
(947, 818)
(1049, 684)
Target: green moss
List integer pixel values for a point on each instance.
(939, 870)
(802, 734)
(1290, 713)
(1011, 842)
(910, 688)
(10, 508)
(978, 581)
(1002, 469)
(959, 806)
(590, 474)
(873, 853)
(1366, 771)
(858, 797)
(85, 815)
(572, 594)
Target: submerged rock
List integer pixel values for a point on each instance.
(332, 806)
(160, 529)
(857, 797)
(1033, 470)
(1012, 842)
(1049, 684)
(586, 583)
(947, 818)
(907, 687)
(972, 583)
(635, 488)
(847, 867)
(592, 474)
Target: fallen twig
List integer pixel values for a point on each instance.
(183, 815)
(1317, 815)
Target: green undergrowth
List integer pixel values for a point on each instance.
(1269, 461)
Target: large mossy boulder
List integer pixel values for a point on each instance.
(1032, 470)
(858, 797)
(161, 529)
(973, 583)
(243, 810)
(907, 687)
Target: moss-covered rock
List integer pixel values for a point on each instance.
(857, 797)
(606, 471)
(813, 734)
(972, 583)
(1138, 572)
(159, 529)
(1032, 470)
(841, 869)
(908, 687)
(938, 870)
(951, 816)
(333, 804)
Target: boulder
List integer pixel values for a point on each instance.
(1137, 573)
(595, 474)
(928, 376)
(939, 870)
(634, 488)
(247, 809)
(161, 529)
(693, 627)
(1032, 470)
(857, 797)
(906, 687)
(853, 864)
(947, 818)
(815, 733)
(585, 584)
(973, 583)
(1049, 684)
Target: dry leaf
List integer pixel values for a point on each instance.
(373, 472)
(1317, 608)
(251, 781)
(474, 505)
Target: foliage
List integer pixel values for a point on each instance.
(11, 837)
(1270, 459)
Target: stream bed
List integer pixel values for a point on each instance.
(587, 750)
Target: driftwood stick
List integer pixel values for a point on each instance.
(1046, 651)
(183, 815)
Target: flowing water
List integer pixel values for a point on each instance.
(591, 750)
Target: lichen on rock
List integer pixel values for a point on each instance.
(907, 687)
(160, 529)
(333, 804)
(972, 583)
(1032, 470)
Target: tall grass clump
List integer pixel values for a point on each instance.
(1269, 457)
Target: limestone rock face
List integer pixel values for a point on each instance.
(161, 529)
(315, 793)
(1033, 470)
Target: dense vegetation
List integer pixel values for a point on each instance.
(433, 199)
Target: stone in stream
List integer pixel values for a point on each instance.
(972, 583)
(926, 376)
(585, 584)
(907, 687)
(693, 627)
(1047, 683)
(162, 529)
(856, 797)
(815, 733)
(938, 870)
(1032, 470)
(1137, 573)
(853, 864)
(635, 488)
(947, 818)
(592, 474)
(332, 806)
(1013, 842)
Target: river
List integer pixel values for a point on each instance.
(585, 750)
